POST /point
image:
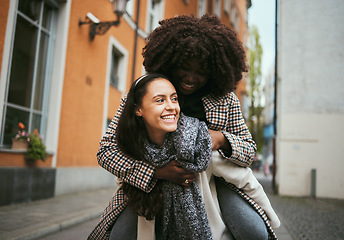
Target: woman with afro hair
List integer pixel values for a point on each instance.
(204, 60)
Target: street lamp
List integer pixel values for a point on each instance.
(100, 28)
(119, 6)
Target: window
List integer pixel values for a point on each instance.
(28, 76)
(117, 64)
(234, 18)
(226, 5)
(155, 13)
(217, 8)
(202, 8)
(114, 81)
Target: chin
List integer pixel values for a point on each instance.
(171, 129)
(188, 91)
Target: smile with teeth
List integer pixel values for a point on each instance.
(188, 85)
(169, 117)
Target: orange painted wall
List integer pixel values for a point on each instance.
(84, 84)
(173, 8)
(4, 6)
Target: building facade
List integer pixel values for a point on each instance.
(55, 78)
(310, 99)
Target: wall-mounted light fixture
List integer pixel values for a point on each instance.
(100, 28)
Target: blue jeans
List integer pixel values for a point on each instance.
(125, 227)
(239, 216)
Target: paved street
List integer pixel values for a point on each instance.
(306, 218)
(72, 217)
(80, 231)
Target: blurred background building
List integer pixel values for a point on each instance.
(269, 123)
(66, 79)
(310, 99)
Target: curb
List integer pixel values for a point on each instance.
(35, 232)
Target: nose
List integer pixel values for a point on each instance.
(190, 77)
(170, 105)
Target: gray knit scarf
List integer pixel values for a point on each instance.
(184, 212)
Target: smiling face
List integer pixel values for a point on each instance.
(159, 109)
(190, 77)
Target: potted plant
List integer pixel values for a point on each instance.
(32, 143)
(37, 149)
(21, 139)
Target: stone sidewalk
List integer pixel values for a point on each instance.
(301, 218)
(39, 218)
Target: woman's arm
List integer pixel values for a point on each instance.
(174, 172)
(137, 173)
(231, 135)
(244, 180)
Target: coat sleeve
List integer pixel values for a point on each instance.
(243, 178)
(228, 119)
(137, 173)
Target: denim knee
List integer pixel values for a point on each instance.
(238, 215)
(125, 227)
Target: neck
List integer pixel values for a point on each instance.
(157, 138)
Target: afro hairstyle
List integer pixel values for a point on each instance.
(214, 44)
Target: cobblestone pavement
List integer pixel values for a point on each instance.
(308, 219)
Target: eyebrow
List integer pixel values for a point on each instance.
(163, 95)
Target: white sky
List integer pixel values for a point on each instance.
(262, 14)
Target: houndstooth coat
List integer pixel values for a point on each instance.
(222, 113)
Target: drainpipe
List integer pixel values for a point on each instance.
(275, 104)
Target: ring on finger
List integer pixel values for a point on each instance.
(187, 181)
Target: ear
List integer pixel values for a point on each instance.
(138, 112)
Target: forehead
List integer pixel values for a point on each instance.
(160, 86)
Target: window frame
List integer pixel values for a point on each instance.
(201, 7)
(115, 45)
(14, 14)
(217, 8)
(226, 6)
(234, 18)
(155, 14)
(122, 75)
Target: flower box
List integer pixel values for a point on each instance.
(32, 143)
(20, 144)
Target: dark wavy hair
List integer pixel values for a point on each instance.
(215, 45)
(131, 135)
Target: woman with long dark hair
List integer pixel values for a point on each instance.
(152, 129)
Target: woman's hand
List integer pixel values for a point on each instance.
(219, 140)
(173, 172)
